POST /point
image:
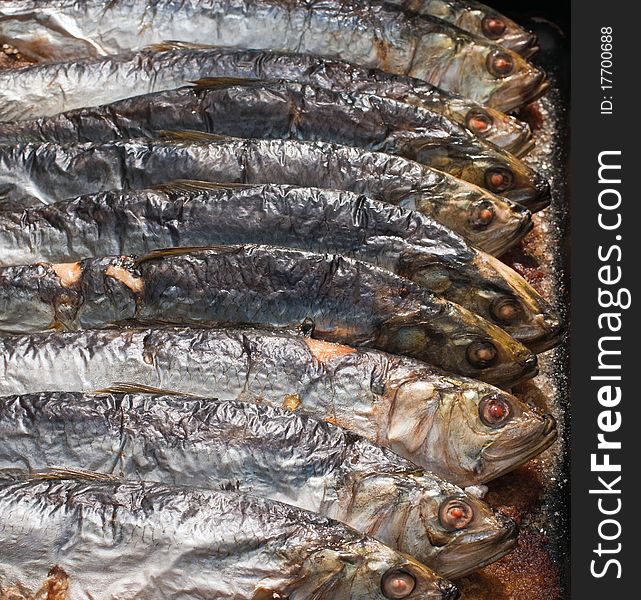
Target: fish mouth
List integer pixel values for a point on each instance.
(534, 198)
(523, 144)
(476, 550)
(531, 88)
(555, 329)
(449, 591)
(546, 434)
(529, 369)
(526, 46)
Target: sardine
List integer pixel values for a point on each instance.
(43, 90)
(329, 296)
(93, 538)
(198, 214)
(462, 429)
(478, 19)
(369, 34)
(31, 175)
(287, 110)
(262, 450)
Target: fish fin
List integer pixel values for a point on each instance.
(176, 45)
(137, 388)
(191, 135)
(65, 473)
(190, 185)
(164, 252)
(214, 83)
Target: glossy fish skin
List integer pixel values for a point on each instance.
(31, 175)
(335, 298)
(43, 90)
(287, 110)
(172, 542)
(195, 214)
(437, 420)
(478, 19)
(266, 451)
(369, 34)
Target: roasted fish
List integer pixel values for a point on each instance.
(199, 214)
(478, 19)
(329, 296)
(31, 175)
(369, 34)
(287, 110)
(58, 536)
(43, 90)
(262, 450)
(464, 430)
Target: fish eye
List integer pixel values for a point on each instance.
(506, 310)
(499, 179)
(495, 411)
(479, 121)
(455, 514)
(481, 354)
(493, 27)
(500, 63)
(397, 583)
(482, 215)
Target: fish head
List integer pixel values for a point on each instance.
(493, 75)
(366, 569)
(485, 22)
(428, 518)
(453, 338)
(488, 221)
(502, 296)
(461, 429)
(507, 176)
(504, 131)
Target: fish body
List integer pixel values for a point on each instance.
(43, 90)
(57, 536)
(288, 110)
(332, 297)
(262, 450)
(445, 423)
(477, 19)
(31, 175)
(371, 34)
(192, 214)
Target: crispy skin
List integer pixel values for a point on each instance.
(47, 89)
(368, 34)
(263, 450)
(169, 541)
(40, 174)
(196, 214)
(429, 417)
(287, 110)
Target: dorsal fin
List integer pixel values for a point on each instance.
(176, 45)
(192, 185)
(191, 135)
(213, 83)
(165, 252)
(137, 388)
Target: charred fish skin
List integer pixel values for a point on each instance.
(262, 450)
(462, 429)
(162, 540)
(478, 19)
(33, 174)
(287, 110)
(193, 214)
(335, 298)
(369, 34)
(28, 93)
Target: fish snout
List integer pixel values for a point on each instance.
(449, 591)
(549, 424)
(509, 527)
(530, 366)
